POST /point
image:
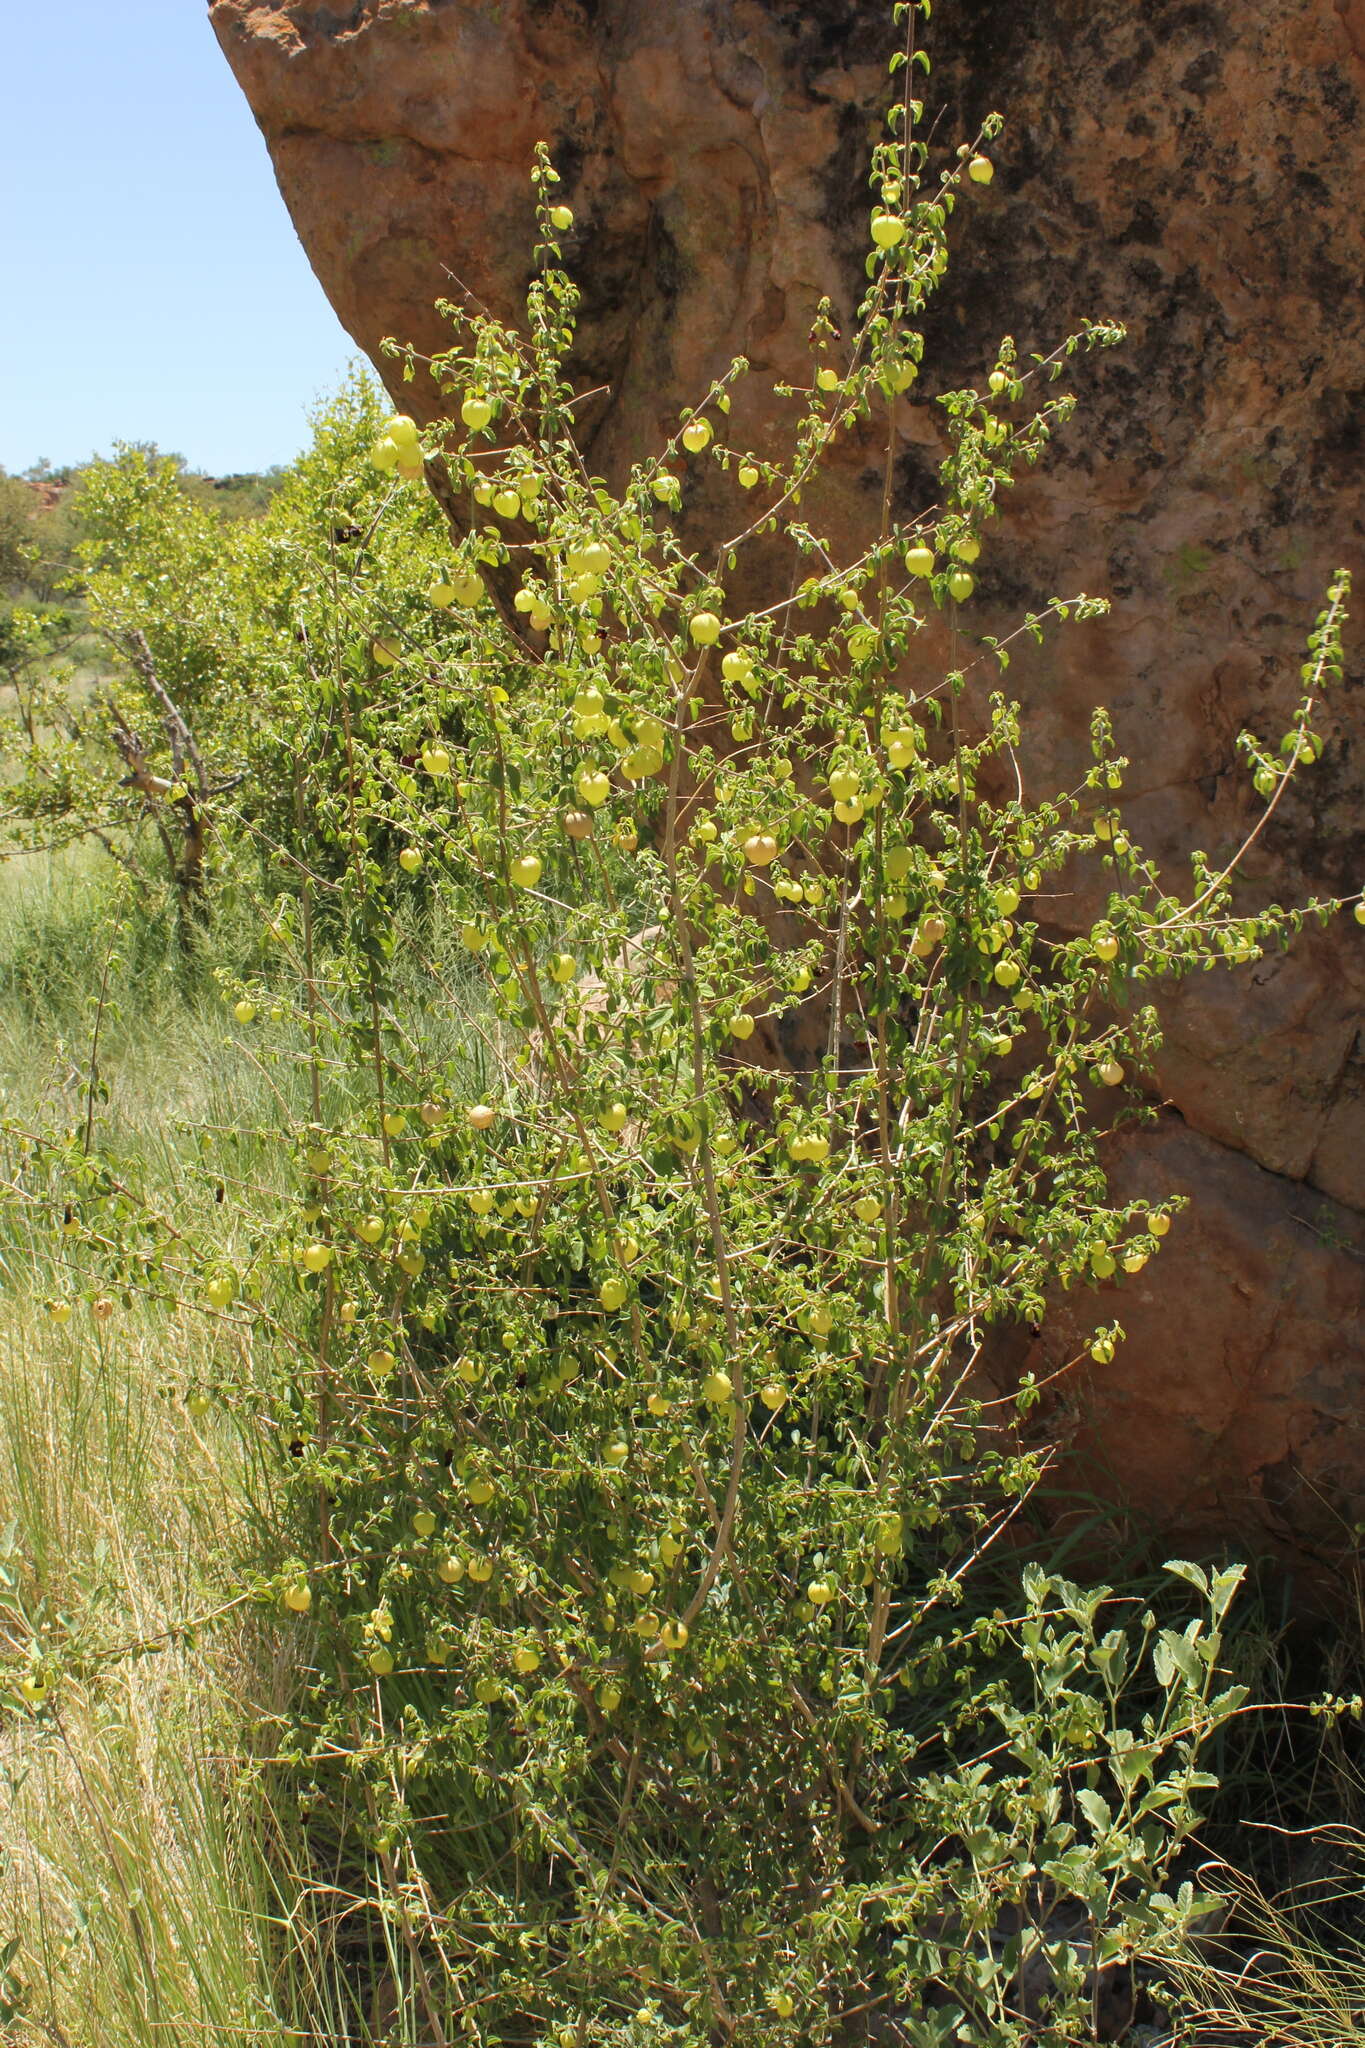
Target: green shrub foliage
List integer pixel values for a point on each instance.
(680, 1080)
(199, 610)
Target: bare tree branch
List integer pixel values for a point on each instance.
(187, 863)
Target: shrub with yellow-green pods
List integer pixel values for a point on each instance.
(620, 1357)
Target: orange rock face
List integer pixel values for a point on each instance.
(1192, 170)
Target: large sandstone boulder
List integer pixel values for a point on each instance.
(1192, 170)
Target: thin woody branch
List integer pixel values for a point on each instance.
(187, 862)
(183, 745)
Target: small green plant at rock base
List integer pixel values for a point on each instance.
(621, 1354)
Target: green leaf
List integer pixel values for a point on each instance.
(1095, 1809)
(1225, 1585)
(1181, 1568)
(1110, 1657)
(1132, 1763)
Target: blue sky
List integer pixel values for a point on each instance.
(154, 287)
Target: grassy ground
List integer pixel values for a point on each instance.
(133, 1898)
(127, 1862)
(145, 1889)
